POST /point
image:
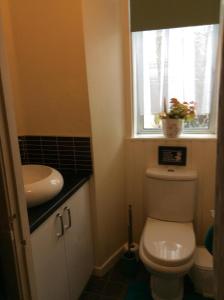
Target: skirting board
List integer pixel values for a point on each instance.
(109, 263)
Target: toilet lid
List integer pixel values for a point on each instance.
(168, 243)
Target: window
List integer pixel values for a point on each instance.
(174, 63)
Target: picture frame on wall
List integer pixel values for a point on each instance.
(172, 155)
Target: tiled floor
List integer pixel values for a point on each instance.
(114, 285)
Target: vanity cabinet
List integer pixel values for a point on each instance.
(63, 249)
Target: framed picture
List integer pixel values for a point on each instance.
(172, 155)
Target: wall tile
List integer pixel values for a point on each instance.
(63, 153)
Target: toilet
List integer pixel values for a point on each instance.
(167, 245)
(202, 273)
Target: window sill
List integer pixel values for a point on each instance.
(182, 137)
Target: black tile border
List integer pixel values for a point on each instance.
(63, 153)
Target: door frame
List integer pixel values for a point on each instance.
(219, 204)
(14, 207)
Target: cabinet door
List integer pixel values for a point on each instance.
(78, 240)
(49, 260)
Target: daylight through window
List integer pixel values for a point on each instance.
(174, 63)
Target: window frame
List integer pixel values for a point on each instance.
(138, 124)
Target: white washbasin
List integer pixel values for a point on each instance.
(41, 183)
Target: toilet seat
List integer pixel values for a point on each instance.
(168, 244)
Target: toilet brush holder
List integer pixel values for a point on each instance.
(133, 248)
(129, 264)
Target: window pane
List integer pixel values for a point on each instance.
(174, 63)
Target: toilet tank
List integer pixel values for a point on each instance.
(170, 194)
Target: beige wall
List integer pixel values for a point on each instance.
(11, 61)
(52, 96)
(104, 57)
(201, 156)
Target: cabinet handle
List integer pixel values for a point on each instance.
(69, 225)
(59, 234)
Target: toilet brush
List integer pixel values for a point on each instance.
(131, 248)
(129, 259)
(130, 233)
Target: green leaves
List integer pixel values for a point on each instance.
(178, 110)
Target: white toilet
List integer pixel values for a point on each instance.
(167, 245)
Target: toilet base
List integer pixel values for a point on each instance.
(166, 288)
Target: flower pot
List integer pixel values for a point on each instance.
(172, 128)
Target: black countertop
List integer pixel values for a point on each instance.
(72, 182)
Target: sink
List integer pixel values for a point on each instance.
(41, 183)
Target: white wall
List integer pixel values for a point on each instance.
(201, 156)
(104, 60)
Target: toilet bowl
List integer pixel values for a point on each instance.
(167, 251)
(167, 245)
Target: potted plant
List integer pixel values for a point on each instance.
(173, 119)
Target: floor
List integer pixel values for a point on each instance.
(114, 285)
